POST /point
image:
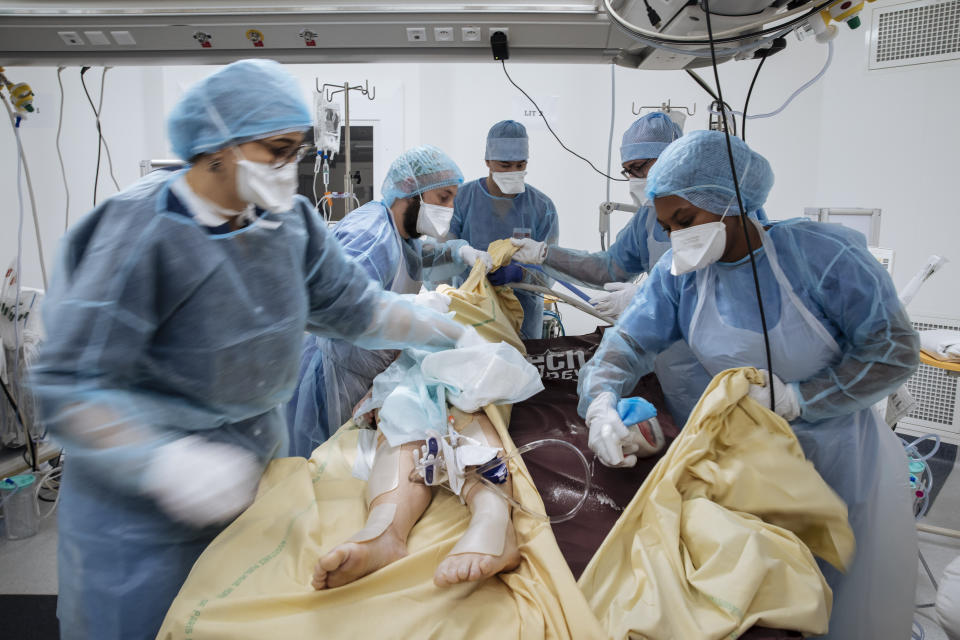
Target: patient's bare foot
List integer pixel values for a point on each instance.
(465, 567)
(352, 560)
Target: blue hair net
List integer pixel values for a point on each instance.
(507, 141)
(244, 101)
(417, 170)
(648, 137)
(697, 168)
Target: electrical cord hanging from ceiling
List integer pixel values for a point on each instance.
(63, 170)
(746, 103)
(744, 220)
(96, 174)
(547, 122)
(102, 144)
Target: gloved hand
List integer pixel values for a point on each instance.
(787, 404)
(506, 274)
(469, 338)
(433, 300)
(530, 251)
(199, 482)
(614, 303)
(469, 257)
(609, 437)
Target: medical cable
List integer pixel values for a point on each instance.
(96, 174)
(556, 316)
(746, 103)
(744, 220)
(536, 444)
(102, 142)
(613, 110)
(31, 445)
(15, 124)
(806, 85)
(63, 170)
(660, 38)
(549, 128)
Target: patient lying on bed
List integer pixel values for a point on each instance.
(396, 502)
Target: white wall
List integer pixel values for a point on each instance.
(857, 138)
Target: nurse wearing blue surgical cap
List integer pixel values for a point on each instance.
(174, 325)
(637, 248)
(501, 205)
(394, 241)
(839, 339)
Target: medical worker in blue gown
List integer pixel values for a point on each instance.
(839, 338)
(501, 205)
(637, 248)
(174, 322)
(395, 241)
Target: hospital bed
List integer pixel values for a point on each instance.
(552, 413)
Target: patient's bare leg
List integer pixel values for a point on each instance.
(490, 544)
(396, 506)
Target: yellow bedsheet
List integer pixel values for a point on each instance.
(702, 537)
(674, 566)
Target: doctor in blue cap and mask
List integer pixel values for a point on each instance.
(501, 205)
(637, 248)
(174, 323)
(839, 340)
(395, 241)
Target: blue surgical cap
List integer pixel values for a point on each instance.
(697, 168)
(417, 170)
(648, 137)
(244, 101)
(507, 141)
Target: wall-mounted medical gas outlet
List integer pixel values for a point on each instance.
(416, 34)
(443, 34)
(72, 38)
(471, 34)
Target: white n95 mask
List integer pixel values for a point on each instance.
(267, 187)
(697, 247)
(434, 220)
(638, 191)
(509, 181)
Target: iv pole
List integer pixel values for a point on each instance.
(345, 88)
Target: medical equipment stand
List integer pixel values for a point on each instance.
(371, 94)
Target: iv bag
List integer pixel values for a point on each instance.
(326, 130)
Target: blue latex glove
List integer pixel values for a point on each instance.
(512, 272)
(635, 410)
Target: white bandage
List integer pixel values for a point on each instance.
(378, 521)
(487, 532)
(385, 474)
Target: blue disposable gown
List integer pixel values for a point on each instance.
(480, 218)
(334, 373)
(158, 327)
(638, 247)
(843, 341)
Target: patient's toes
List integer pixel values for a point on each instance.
(353, 560)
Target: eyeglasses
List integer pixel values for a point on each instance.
(636, 171)
(284, 155)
